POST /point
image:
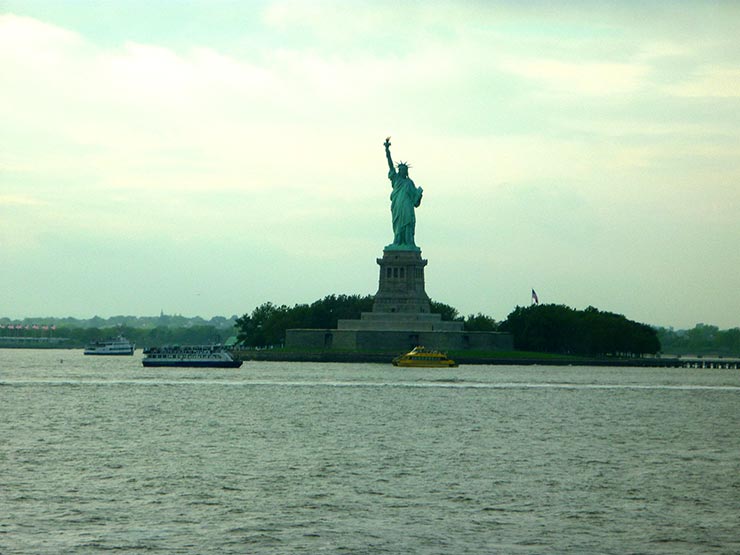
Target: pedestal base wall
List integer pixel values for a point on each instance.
(397, 340)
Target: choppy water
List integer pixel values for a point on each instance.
(101, 454)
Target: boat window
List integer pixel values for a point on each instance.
(402, 272)
(395, 272)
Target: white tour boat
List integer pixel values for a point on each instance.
(114, 346)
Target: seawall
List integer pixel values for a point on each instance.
(385, 358)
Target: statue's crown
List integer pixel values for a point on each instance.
(403, 165)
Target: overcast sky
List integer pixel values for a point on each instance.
(202, 158)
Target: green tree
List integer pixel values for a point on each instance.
(448, 312)
(267, 323)
(560, 329)
(702, 338)
(261, 327)
(480, 322)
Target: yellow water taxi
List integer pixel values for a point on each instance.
(419, 357)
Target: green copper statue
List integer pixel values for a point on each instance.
(404, 198)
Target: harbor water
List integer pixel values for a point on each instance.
(98, 454)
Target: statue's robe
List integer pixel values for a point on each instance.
(404, 198)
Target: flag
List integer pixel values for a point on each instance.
(535, 299)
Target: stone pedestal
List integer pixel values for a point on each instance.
(401, 318)
(401, 283)
(401, 303)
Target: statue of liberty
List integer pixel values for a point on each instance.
(404, 198)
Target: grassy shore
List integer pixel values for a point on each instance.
(461, 357)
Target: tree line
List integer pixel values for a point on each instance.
(169, 320)
(540, 328)
(552, 328)
(153, 337)
(266, 324)
(703, 339)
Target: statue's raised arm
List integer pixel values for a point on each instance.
(387, 145)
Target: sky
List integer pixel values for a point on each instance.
(204, 157)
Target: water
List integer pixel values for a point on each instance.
(102, 455)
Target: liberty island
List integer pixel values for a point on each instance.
(401, 316)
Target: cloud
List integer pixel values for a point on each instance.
(19, 200)
(148, 116)
(587, 78)
(709, 82)
(19, 33)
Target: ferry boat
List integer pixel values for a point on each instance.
(198, 356)
(419, 357)
(113, 346)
